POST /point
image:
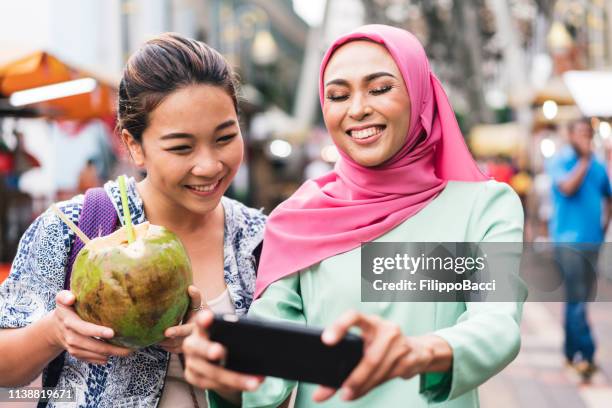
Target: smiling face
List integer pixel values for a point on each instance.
(367, 106)
(192, 147)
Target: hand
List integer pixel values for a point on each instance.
(76, 336)
(202, 358)
(583, 146)
(176, 334)
(387, 354)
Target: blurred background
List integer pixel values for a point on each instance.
(516, 73)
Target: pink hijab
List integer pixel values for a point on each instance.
(353, 204)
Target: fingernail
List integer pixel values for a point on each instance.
(251, 384)
(108, 333)
(170, 333)
(347, 394)
(328, 336)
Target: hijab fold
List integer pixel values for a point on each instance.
(352, 204)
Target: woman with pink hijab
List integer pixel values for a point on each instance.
(405, 175)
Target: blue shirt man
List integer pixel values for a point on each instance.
(580, 194)
(577, 216)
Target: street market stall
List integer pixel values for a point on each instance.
(51, 94)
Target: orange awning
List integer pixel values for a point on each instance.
(5, 269)
(41, 68)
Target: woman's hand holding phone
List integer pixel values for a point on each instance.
(202, 368)
(387, 354)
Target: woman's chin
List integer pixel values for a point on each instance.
(201, 204)
(373, 156)
(202, 208)
(369, 160)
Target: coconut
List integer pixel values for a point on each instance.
(138, 289)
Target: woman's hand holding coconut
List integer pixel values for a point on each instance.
(177, 334)
(78, 337)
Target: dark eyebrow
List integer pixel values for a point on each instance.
(178, 135)
(371, 77)
(226, 124)
(342, 82)
(368, 78)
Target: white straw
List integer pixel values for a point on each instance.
(70, 224)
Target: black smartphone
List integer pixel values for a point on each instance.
(285, 350)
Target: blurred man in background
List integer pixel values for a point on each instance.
(580, 196)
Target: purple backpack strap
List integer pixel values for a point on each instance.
(98, 218)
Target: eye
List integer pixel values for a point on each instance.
(179, 149)
(227, 138)
(381, 90)
(337, 98)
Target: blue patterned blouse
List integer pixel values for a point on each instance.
(37, 275)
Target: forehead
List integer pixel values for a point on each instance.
(580, 127)
(359, 58)
(193, 106)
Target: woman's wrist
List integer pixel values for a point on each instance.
(48, 328)
(437, 351)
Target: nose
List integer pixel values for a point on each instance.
(359, 108)
(207, 165)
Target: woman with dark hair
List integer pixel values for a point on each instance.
(405, 175)
(178, 117)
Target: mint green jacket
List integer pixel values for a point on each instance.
(484, 337)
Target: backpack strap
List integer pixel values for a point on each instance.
(98, 218)
(257, 255)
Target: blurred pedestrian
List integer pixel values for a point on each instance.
(88, 177)
(581, 203)
(500, 168)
